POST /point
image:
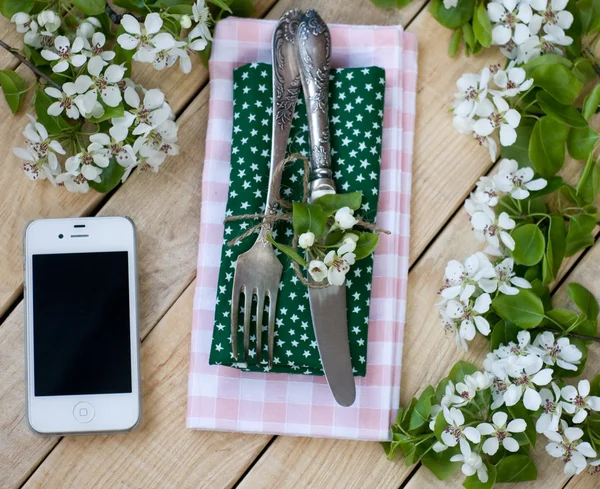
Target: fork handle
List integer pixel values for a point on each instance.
(314, 47)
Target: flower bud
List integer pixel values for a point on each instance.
(185, 21)
(49, 20)
(306, 240)
(344, 218)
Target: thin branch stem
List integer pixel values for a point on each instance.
(29, 65)
(116, 18)
(575, 335)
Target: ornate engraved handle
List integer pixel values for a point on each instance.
(314, 48)
(286, 86)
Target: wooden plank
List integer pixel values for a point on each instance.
(21, 200)
(10, 36)
(148, 457)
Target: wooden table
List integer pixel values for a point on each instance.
(162, 453)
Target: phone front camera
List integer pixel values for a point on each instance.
(60, 236)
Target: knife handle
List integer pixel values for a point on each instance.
(314, 48)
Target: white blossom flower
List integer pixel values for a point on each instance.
(113, 146)
(553, 38)
(499, 432)
(491, 229)
(449, 398)
(158, 144)
(517, 181)
(486, 192)
(96, 47)
(338, 266)
(40, 155)
(23, 22)
(466, 390)
(146, 39)
(462, 280)
(201, 15)
(472, 463)
(469, 315)
(594, 467)
(146, 116)
(344, 218)
(473, 90)
(501, 116)
(510, 18)
(557, 352)
(70, 91)
(88, 27)
(579, 401)
(503, 279)
(553, 14)
(512, 82)
(82, 168)
(524, 380)
(306, 240)
(551, 410)
(349, 242)
(49, 20)
(197, 38)
(106, 83)
(568, 447)
(65, 53)
(317, 270)
(452, 327)
(456, 431)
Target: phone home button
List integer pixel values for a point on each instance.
(83, 412)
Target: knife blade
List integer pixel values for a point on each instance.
(327, 305)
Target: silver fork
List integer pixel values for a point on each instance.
(258, 271)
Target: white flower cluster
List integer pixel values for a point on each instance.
(479, 109)
(161, 48)
(513, 372)
(38, 30)
(466, 289)
(525, 29)
(336, 263)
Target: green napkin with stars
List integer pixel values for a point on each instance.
(356, 120)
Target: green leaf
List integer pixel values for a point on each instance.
(555, 250)
(516, 468)
(519, 411)
(589, 182)
(583, 69)
(564, 317)
(546, 59)
(454, 42)
(584, 299)
(8, 8)
(524, 309)
(367, 242)
(591, 102)
(581, 141)
(288, 250)
(580, 234)
(130, 4)
(54, 125)
(14, 88)
(529, 245)
(391, 3)
(460, 369)
(554, 184)
(221, 4)
(563, 113)
(455, 17)
(90, 7)
(595, 386)
(308, 218)
(420, 414)
(111, 176)
(331, 203)
(242, 8)
(547, 146)
(439, 463)
(440, 391)
(503, 334)
(589, 14)
(468, 35)
(519, 150)
(473, 482)
(482, 25)
(558, 81)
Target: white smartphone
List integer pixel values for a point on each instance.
(81, 326)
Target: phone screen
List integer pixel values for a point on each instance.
(81, 323)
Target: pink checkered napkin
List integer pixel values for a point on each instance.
(227, 399)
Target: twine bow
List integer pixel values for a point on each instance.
(269, 219)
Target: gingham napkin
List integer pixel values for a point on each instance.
(226, 399)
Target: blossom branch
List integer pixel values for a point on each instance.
(29, 65)
(116, 18)
(575, 335)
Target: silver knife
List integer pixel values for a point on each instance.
(327, 305)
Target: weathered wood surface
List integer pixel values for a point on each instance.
(165, 207)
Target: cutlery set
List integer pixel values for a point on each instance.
(301, 58)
